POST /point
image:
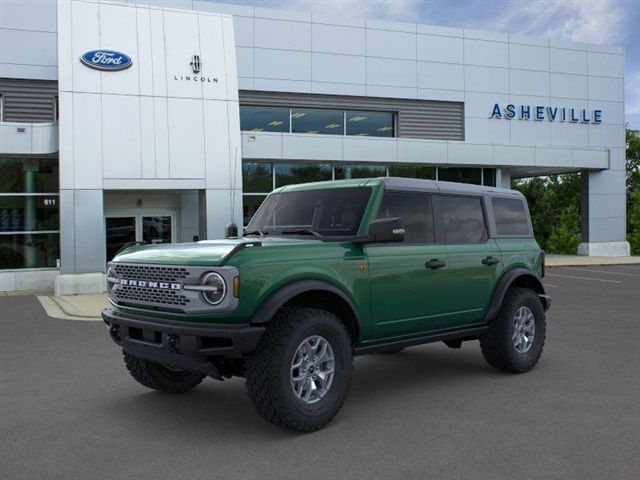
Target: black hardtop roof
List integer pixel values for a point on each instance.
(433, 186)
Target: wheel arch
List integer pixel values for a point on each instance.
(313, 294)
(516, 277)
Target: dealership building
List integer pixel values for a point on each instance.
(166, 121)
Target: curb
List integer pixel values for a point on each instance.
(54, 308)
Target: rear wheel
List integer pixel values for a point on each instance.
(515, 338)
(158, 377)
(300, 373)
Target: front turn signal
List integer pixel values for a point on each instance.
(236, 287)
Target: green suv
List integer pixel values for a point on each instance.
(323, 272)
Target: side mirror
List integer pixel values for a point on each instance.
(386, 230)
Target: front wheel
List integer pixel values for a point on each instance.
(158, 377)
(300, 373)
(515, 338)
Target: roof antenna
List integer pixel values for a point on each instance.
(232, 229)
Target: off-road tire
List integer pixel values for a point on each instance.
(158, 377)
(496, 343)
(268, 373)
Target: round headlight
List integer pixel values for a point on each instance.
(215, 288)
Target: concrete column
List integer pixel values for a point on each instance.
(503, 178)
(189, 216)
(603, 209)
(82, 242)
(222, 208)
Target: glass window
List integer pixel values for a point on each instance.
(511, 216)
(461, 175)
(317, 121)
(463, 219)
(291, 173)
(372, 124)
(257, 177)
(416, 214)
(250, 205)
(360, 171)
(28, 175)
(489, 177)
(28, 213)
(31, 250)
(329, 212)
(413, 171)
(264, 119)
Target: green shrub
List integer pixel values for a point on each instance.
(633, 221)
(565, 237)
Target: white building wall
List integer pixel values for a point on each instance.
(145, 127)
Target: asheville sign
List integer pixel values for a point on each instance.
(108, 60)
(552, 114)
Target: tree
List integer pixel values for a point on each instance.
(633, 221)
(633, 161)
(565, 238)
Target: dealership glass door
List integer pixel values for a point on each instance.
(121, 229)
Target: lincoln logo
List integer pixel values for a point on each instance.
(147, 284)
(107, 60)
(195, 63)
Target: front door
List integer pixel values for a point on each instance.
(150, 228)
(409, 289)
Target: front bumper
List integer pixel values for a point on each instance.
(179, 345)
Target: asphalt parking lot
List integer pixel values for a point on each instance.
(69, 409)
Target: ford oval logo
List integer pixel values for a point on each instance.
(108, 60)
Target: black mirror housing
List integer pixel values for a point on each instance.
(386, 230)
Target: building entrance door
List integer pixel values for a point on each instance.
(150, 228)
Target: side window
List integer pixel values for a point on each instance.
(511, 216)
(463, 219)
(415, 211)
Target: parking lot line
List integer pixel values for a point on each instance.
(604, 271)
(549, 285)
(583, 278)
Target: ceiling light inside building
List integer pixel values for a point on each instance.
(257, 129)
(333, 125)
(275, 123)
(298, 115)
(357, 118)
(384, 129)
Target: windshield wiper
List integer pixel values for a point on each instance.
(255, 232)
(301, 231)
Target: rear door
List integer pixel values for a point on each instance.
(408, 297)
(475, 261)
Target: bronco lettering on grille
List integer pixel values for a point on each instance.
(148, 284)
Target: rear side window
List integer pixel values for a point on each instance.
(463, 219)
(511, 216)
(415, 211)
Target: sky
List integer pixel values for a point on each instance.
(608, 22)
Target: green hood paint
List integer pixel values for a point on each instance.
(204, 253)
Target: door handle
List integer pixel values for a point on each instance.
(435, 263)
(490, 260)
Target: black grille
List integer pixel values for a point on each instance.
(152, 273)
(128, 293)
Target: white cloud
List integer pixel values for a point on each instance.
(578, 20)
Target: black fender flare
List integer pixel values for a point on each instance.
(277, 299)
(506, 281)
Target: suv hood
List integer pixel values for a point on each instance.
(206, 252)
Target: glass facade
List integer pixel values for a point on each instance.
(29, 213)
(260, 178)
(317, 121)
(372, 124)
(264, 119)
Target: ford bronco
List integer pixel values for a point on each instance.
(326, 271)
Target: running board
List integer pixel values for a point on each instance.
(463, 334)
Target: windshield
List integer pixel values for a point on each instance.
(327, 212)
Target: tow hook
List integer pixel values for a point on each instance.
(173, 344)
